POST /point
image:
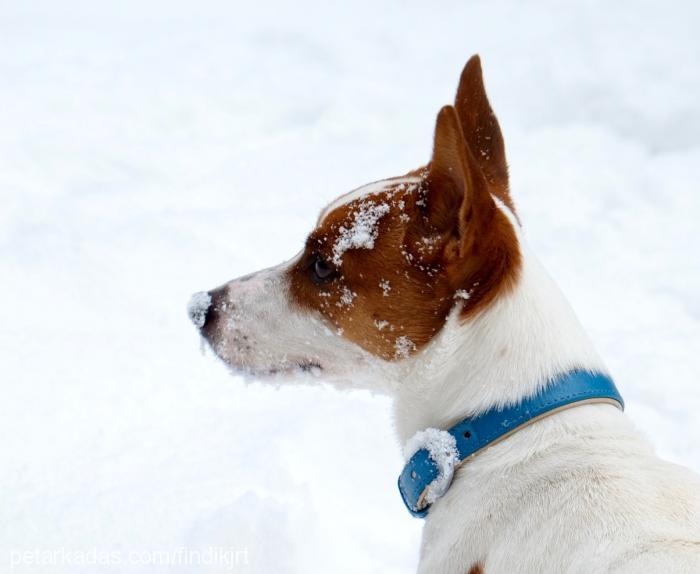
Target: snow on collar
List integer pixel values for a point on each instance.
(435, 454)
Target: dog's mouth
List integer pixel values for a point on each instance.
(296, 367)
(281, 371)
(286, 368)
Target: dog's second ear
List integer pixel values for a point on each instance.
(482, 132)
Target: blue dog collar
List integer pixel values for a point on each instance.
(475, 434)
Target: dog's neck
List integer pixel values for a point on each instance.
(505, 353)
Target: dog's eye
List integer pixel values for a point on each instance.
(321, 270)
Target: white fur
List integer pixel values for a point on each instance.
(579, 491)
(502, 355)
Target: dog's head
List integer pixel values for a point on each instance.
(386, 263)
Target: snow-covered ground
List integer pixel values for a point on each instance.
(152, 149)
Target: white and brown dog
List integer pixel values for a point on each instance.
(423, 287)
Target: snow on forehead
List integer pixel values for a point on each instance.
(362, 231)
(364, 191)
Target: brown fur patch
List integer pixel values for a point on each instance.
(481, 256)
(421, 246)
(476, 569)
(383, 298)
(482, 131)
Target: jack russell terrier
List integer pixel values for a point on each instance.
(421, 286)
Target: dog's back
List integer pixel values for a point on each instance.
(579, 492)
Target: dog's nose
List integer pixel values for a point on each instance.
(203, 306)
(198, 308)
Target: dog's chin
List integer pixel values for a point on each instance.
(274, 371)
(285, 370)
(299, 369)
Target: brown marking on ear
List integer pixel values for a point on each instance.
(476, 569)
(481, 255)
(481, 130)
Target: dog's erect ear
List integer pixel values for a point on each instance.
(482, 133)
(459, 204)
(479, 248)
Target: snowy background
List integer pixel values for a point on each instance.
(152, 149)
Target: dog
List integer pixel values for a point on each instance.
(423, 287)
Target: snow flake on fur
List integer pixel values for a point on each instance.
(362, 232)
